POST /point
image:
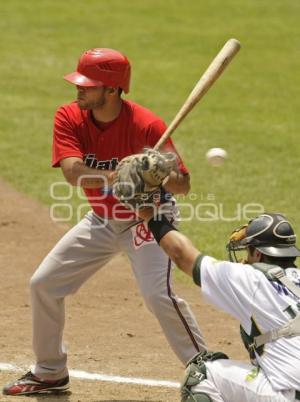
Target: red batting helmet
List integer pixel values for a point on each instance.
(100, 66)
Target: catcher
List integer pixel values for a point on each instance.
(263, 293)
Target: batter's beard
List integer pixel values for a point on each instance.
(89, 105)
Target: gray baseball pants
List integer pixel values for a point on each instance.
(86, 248)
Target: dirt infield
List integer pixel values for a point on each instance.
(108, 328)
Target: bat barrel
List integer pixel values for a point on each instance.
(214, 70)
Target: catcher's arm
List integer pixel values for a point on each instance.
(177, 183)
(78, 174)
(175, 244)
(181, 250)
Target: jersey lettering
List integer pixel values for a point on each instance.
(91, 161)
(281, 289)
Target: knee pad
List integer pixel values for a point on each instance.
(197, 398)
(195, 374)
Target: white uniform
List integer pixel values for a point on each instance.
(245, 293)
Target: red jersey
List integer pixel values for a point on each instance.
(77, 135)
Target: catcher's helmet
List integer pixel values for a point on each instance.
(269, 233)
(100, 66)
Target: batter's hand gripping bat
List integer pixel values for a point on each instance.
(214, 70)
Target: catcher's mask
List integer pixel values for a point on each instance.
(271, 234)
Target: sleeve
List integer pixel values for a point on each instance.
(197, 270)
(65, 141)
(229, 286)
(155, 131)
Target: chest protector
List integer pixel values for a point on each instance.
(256, 341)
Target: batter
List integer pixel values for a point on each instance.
(91, 136)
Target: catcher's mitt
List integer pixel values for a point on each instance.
(139, 176)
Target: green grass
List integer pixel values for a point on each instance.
(252, 111)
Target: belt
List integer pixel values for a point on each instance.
(297, 395)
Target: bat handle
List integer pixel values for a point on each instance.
(161, 142)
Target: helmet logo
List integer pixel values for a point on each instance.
(288, 237)
(264, 227)
(102, 66)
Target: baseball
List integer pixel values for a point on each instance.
(216, 156)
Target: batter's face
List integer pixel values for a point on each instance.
(91, 97)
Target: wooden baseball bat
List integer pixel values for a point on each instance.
(214, 70)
